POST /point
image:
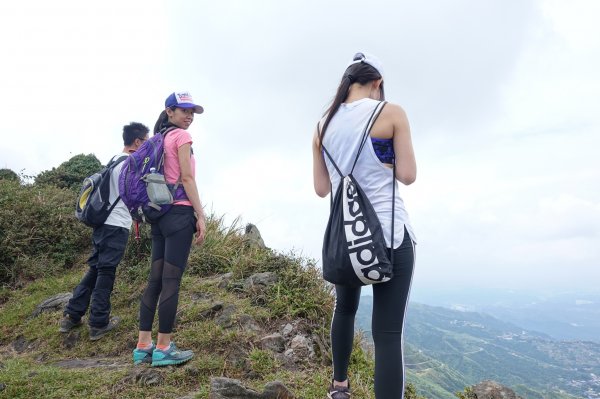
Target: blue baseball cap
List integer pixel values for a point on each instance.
(183, 99)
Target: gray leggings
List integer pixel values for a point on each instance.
(389, 306)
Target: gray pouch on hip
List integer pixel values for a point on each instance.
(158, 190)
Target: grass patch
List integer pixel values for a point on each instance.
(25, 378)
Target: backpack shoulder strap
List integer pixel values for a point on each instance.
(114, 162)
(327, 152)
(164, 131)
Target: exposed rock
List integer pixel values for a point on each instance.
(251, 375)
(302, 346)
(276, 390)
(287, 330)
(273, 342)
(41, 358)
(247, 323)
(289, 353)
(2, 387)
(252, 236)
(227, 388)
(260, 281)
(21, 345)
(200, 296)
(493, 390)
(225, 319)
(143, 377)
(288, 361)
(92, 363)
(57, 302)
(224, 280)
(71, 339)
(212, 311)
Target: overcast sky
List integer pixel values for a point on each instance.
(502, 97)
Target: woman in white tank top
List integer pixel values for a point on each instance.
(388, 152)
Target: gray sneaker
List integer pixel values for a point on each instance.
(67, 324)
(97, 333)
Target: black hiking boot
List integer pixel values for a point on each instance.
(97, 333)
(67, 324)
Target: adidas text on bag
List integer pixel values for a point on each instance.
(93, 206)
(142, 185)
(354, 249)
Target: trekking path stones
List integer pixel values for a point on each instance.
(57, 302)
(227, 388)
(103, 363)
(493, 390)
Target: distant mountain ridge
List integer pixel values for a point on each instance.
(447, 349)
(564, 315)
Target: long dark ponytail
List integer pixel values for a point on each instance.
(361, 73)
(162, 121)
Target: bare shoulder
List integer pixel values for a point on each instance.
(394, 111)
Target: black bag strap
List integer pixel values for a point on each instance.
(374, 116)
(393, 209)
(365, 134)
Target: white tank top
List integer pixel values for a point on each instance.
(342, 140)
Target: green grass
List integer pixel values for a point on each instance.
(34, 372)
(43, 254)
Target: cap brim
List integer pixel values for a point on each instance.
(197, 108)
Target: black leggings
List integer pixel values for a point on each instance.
(389, 306)
(172, 238)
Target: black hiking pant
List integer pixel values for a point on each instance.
(95, 288)
(390, 300)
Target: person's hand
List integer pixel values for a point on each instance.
(200, 230)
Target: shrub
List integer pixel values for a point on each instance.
(7, 174)
(39, 234)
(410, 392)
(70, 174)
(466, 394)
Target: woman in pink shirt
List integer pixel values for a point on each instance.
(172, 235)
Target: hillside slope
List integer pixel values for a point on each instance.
(448, 349)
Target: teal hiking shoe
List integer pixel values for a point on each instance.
(170, 356)
(143, 355)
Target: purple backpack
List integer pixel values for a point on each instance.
(148, 159)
